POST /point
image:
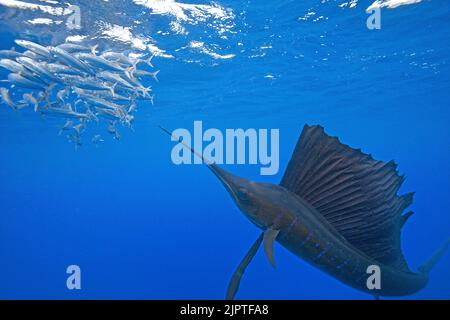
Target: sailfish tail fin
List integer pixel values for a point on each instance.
(428, 265)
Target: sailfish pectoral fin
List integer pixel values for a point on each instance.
(269, 239)
(233, 286)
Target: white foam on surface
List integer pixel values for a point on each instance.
(212, 23)
(185, 11)
(44, 21)
(14, 4)
(76, 39)
(390, 4)
(125, 35)
(201, 47)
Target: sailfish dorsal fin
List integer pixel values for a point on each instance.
(354, 192)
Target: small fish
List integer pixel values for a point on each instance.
(119, 58)
(77, 140)
(138, 89)
(6, 98)
(147, 98)
(10, 54)
(141, 73)
(36, 78)
(115, 78)
(97, 139)
(64, 113)
(101, 102)
(12, 65)
(113, 130)
(24, 82)
(117, 98)
(32, 55)
(91, 115)
(91, 84)
(28, 97)
(43, 96)
(62, 94)
(29, 73)
(116, 115)
(129, 119)
(135, 62)
(147, 61)
(37, 48)
(99, 62)
(62, 69)
(132, 108)
(79, 101)
(145, 92)
(73, 48)
(79, 128)
(111, 127)
(109, 114)
(37, 68)
(66, 127)
(70, 79)
(71, 61)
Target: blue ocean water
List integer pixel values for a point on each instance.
(141, 227)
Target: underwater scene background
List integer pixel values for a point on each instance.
(141, 227)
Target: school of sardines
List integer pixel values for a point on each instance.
(76, 83)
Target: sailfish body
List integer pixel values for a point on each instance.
(338, 209)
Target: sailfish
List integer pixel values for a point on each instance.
(337, 208)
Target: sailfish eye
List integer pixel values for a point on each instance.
(242, 194)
